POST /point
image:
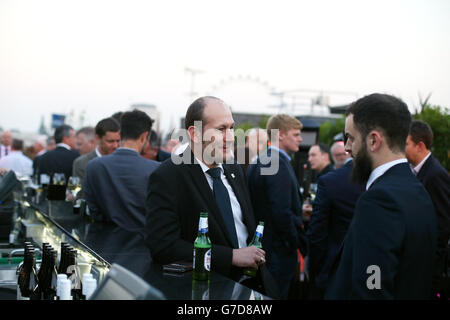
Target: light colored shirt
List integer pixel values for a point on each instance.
(64, 146)
(280, 151)
(3, 152)
(98, 153)
(17, 162)
(417, 168)
(241, 229)
(380, 170)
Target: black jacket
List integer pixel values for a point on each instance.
(59, 160)
(177, 193)
(394, 229)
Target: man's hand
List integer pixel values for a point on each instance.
(248, 257)
(3, 171)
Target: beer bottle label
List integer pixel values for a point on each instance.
(208, 260)
(203, 225)
(259, 231)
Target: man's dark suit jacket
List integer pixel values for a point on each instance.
(177, 193)
(80, 164)
(115, 187)
(162, 155)
(58, 160)
(393, 228)
(332, 213)
(437, 182)
(276, 201)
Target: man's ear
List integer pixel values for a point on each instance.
(144, 136)
(192, 134)
(421, 146)
(374, 140)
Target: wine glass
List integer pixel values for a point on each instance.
(74, 185)
(59, 179)
(313, 190)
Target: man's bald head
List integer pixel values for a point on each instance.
(196, 110)
(6, 138)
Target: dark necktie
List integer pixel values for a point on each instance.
(6, 151)
(223, 202)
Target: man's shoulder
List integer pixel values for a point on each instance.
(433, 168)
(152, 164)
(341, 174)
(24, 158)
(85, 158)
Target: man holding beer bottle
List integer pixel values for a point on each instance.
(203, 179)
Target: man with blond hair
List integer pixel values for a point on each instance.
(256, 142)
(276, 200)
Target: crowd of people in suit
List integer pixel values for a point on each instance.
(378, 226)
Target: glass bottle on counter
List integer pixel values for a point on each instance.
(200, 290)
(43, 270)
(202, 250)
(23, 278)
(73, 274)
(49, 293)
(34, 289)
(62, 268)
(256, 241)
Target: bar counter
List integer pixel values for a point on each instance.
(101, 245)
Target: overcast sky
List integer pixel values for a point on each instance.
(102, 56)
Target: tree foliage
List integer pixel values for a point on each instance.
(436, 116)
(439, 120)
(330, 129)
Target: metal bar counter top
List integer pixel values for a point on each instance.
(102, 245)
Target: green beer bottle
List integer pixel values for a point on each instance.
(202, 250)
(257, 243)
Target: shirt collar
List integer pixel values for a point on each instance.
(125, 148)
(380, 170)
(205, 167)
(280, 151)
(98, 153)
(417, 168)
(64, 146)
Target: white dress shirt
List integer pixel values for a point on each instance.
(98, 153)
(241, 229)
(380, 170)
(417, 168)
(3, 150)
(17, 162)
(64, 146)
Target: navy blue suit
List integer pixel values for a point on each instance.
(115, 187)
(437, 182)
(59, 160)
(332, 213)
(393, 228)
(276, 201)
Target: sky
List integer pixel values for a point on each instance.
(100, 57)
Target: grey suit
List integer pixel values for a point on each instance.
(80, 163)
(115, 187)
